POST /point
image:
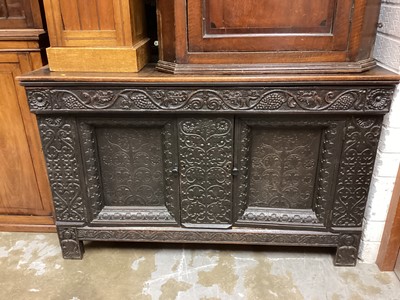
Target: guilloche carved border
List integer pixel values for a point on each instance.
(217, 99)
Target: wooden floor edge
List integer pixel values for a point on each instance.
(390, 242)
(27, 228)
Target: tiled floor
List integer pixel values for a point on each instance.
(31, 267)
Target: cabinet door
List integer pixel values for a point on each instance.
(23, 181)
(131, 171)
(205, 168)
(268, 25)
(286, 171)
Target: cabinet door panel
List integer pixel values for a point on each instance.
(283, 167)
(268, 25)
(130, 170)
(132, 166)
(18, 14)
(19, 191)
(286, 170)
(205, 163)
(265, 16)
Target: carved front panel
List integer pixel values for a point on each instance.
(129, 169)
(286, 169)
(283, 167)
(131, 166)
(205, 162)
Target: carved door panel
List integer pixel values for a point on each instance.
(286, 171)
(205, 165)
(131, 170)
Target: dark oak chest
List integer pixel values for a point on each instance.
(272, 160)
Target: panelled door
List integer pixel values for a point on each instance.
(286, 170)
(205, 168)
(268, 25)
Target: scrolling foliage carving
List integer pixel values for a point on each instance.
(60, 149)
(205, 150)
(204, 99)
(355, 172)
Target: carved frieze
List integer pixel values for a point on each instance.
(198, 236)
(217, 99)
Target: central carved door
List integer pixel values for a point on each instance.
(205, 167)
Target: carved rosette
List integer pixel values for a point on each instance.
(62, 156)
(356, 167)
(204, 99)
(379, 99)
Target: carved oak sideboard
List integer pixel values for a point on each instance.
(268, 160)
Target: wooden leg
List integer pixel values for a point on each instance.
(347, 250)
(71, 247)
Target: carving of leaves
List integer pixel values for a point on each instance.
(59, 147)
(223, 99)
(355, 172)
(206, 164)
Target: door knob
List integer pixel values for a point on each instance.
(175, 171)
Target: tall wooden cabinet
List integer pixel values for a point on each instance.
(25, 200)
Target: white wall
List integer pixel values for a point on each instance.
(387, 52)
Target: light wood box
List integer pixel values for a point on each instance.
(96, 35)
